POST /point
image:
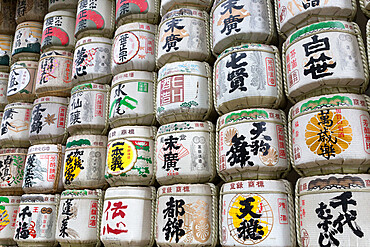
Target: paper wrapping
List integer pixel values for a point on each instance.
(8, 209)
(147, 11)
(168, 5)
(27, 41)
(62, 4)
(7, 17)
(4, 78)
(30, 10)
(6, 42)
(12, 170)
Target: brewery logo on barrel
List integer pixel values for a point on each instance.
(171, 90)
(69, 211)
(74, 162)
(53, 33)
(4, 51)
(11, 170)
(91, 58)
(126, 47)
(88, 16)
(4, 215)
(250, 219)
(116, 212)
(121, 157)
(122, 102)
(127, 7)
(19, 79)
(9, 123)
(173, 34)
(27, 40)
(33, 171)
(232, 14)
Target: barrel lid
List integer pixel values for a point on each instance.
(128, 192)
(132, 131)
(77, 141)
(45, 148)
(60, 13)
(185, 126)
(24, 64)
(257, 186)
(136, 26)
(185, 67)
(314, 104)
(32, 198)
(133, 76)
(18, 105)
(187, 189)
(92, 40)
(81, 194)
(185, 12)
(9, 200)
(11, 151)
(51, 99)
(90, 86)
(248, 47)
(28, 24)
(56, 53)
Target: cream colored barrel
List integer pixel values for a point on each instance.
(27, 41)
(243, 21)
(134, 48)
(87, 110)
(84, 162)
(183, 34)
(30, 10)
(291, 15)
(330, 134)
(333, 210)
(185, 153)
(91, 61)
(4, 78)
(62, 4)
(135, 225)
(36, 220)
(95, 18)
(58, 31)
(48, 121)
(6, 42)
(365, 7)
(42, 168)
(12, 170)
(147, 11)
(132, 99)
(7, 17)
(184, 92)
(21, 84)
(168, 5)
(248, 76)
(323, 58)
(191, 207)
(251, 145)
(257, 213)
(15, 125)
(54, 74)
(9, 209)
(130, 156)
(79, 218)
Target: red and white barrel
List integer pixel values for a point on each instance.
(323, 58)
(42, 168)
(12, 170)
(62, 4)
(79, 218)
(251, 145)
(168, 5)
(4, 78)
(84, 162)
(147, 11)
(87, 110)
(7, 17)
(92, 61)
(6, 42)
(54, 74)
(330, 134)
(36, 220)
(30, 10)
(134, 48)
(183, 34)
(333, 210)
(191, 207)
(132, 99)
(9, 206)
(95, 17)
(185, 153)
(15, 125)
(184, 92)
(241, 21)
(130, 156)
(58, 31)
(257, 213)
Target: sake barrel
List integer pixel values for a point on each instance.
(84, 162)
(133, 48)
(333, 59)
(330, 134)
(333, 210)
(147, 11)
(248, 76)
(5, 51)
(54, 74)
(251, 145)
(4, 78)
(7, 17)
(21, 83)
(184, 92)
(168, 5)
(36, 220)
(15, 125)
(79, 218)
(132, 99)
(27, 41)
(183, 34)
(257, 213)
(9, 209)
(191, 207)
(12, 162)
(87, 110)
(241, 21)
(130, 156)
(58, 31)
(291, 15)
(48, 120)
(91, 61)
(95, 17)
(62, 4)
(185, 153)
(137, 219)
(42, 168)
(365, 7)
(30, 10)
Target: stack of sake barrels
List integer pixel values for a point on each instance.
(325, 74)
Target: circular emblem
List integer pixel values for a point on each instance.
(125, 47)
(121, 157)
